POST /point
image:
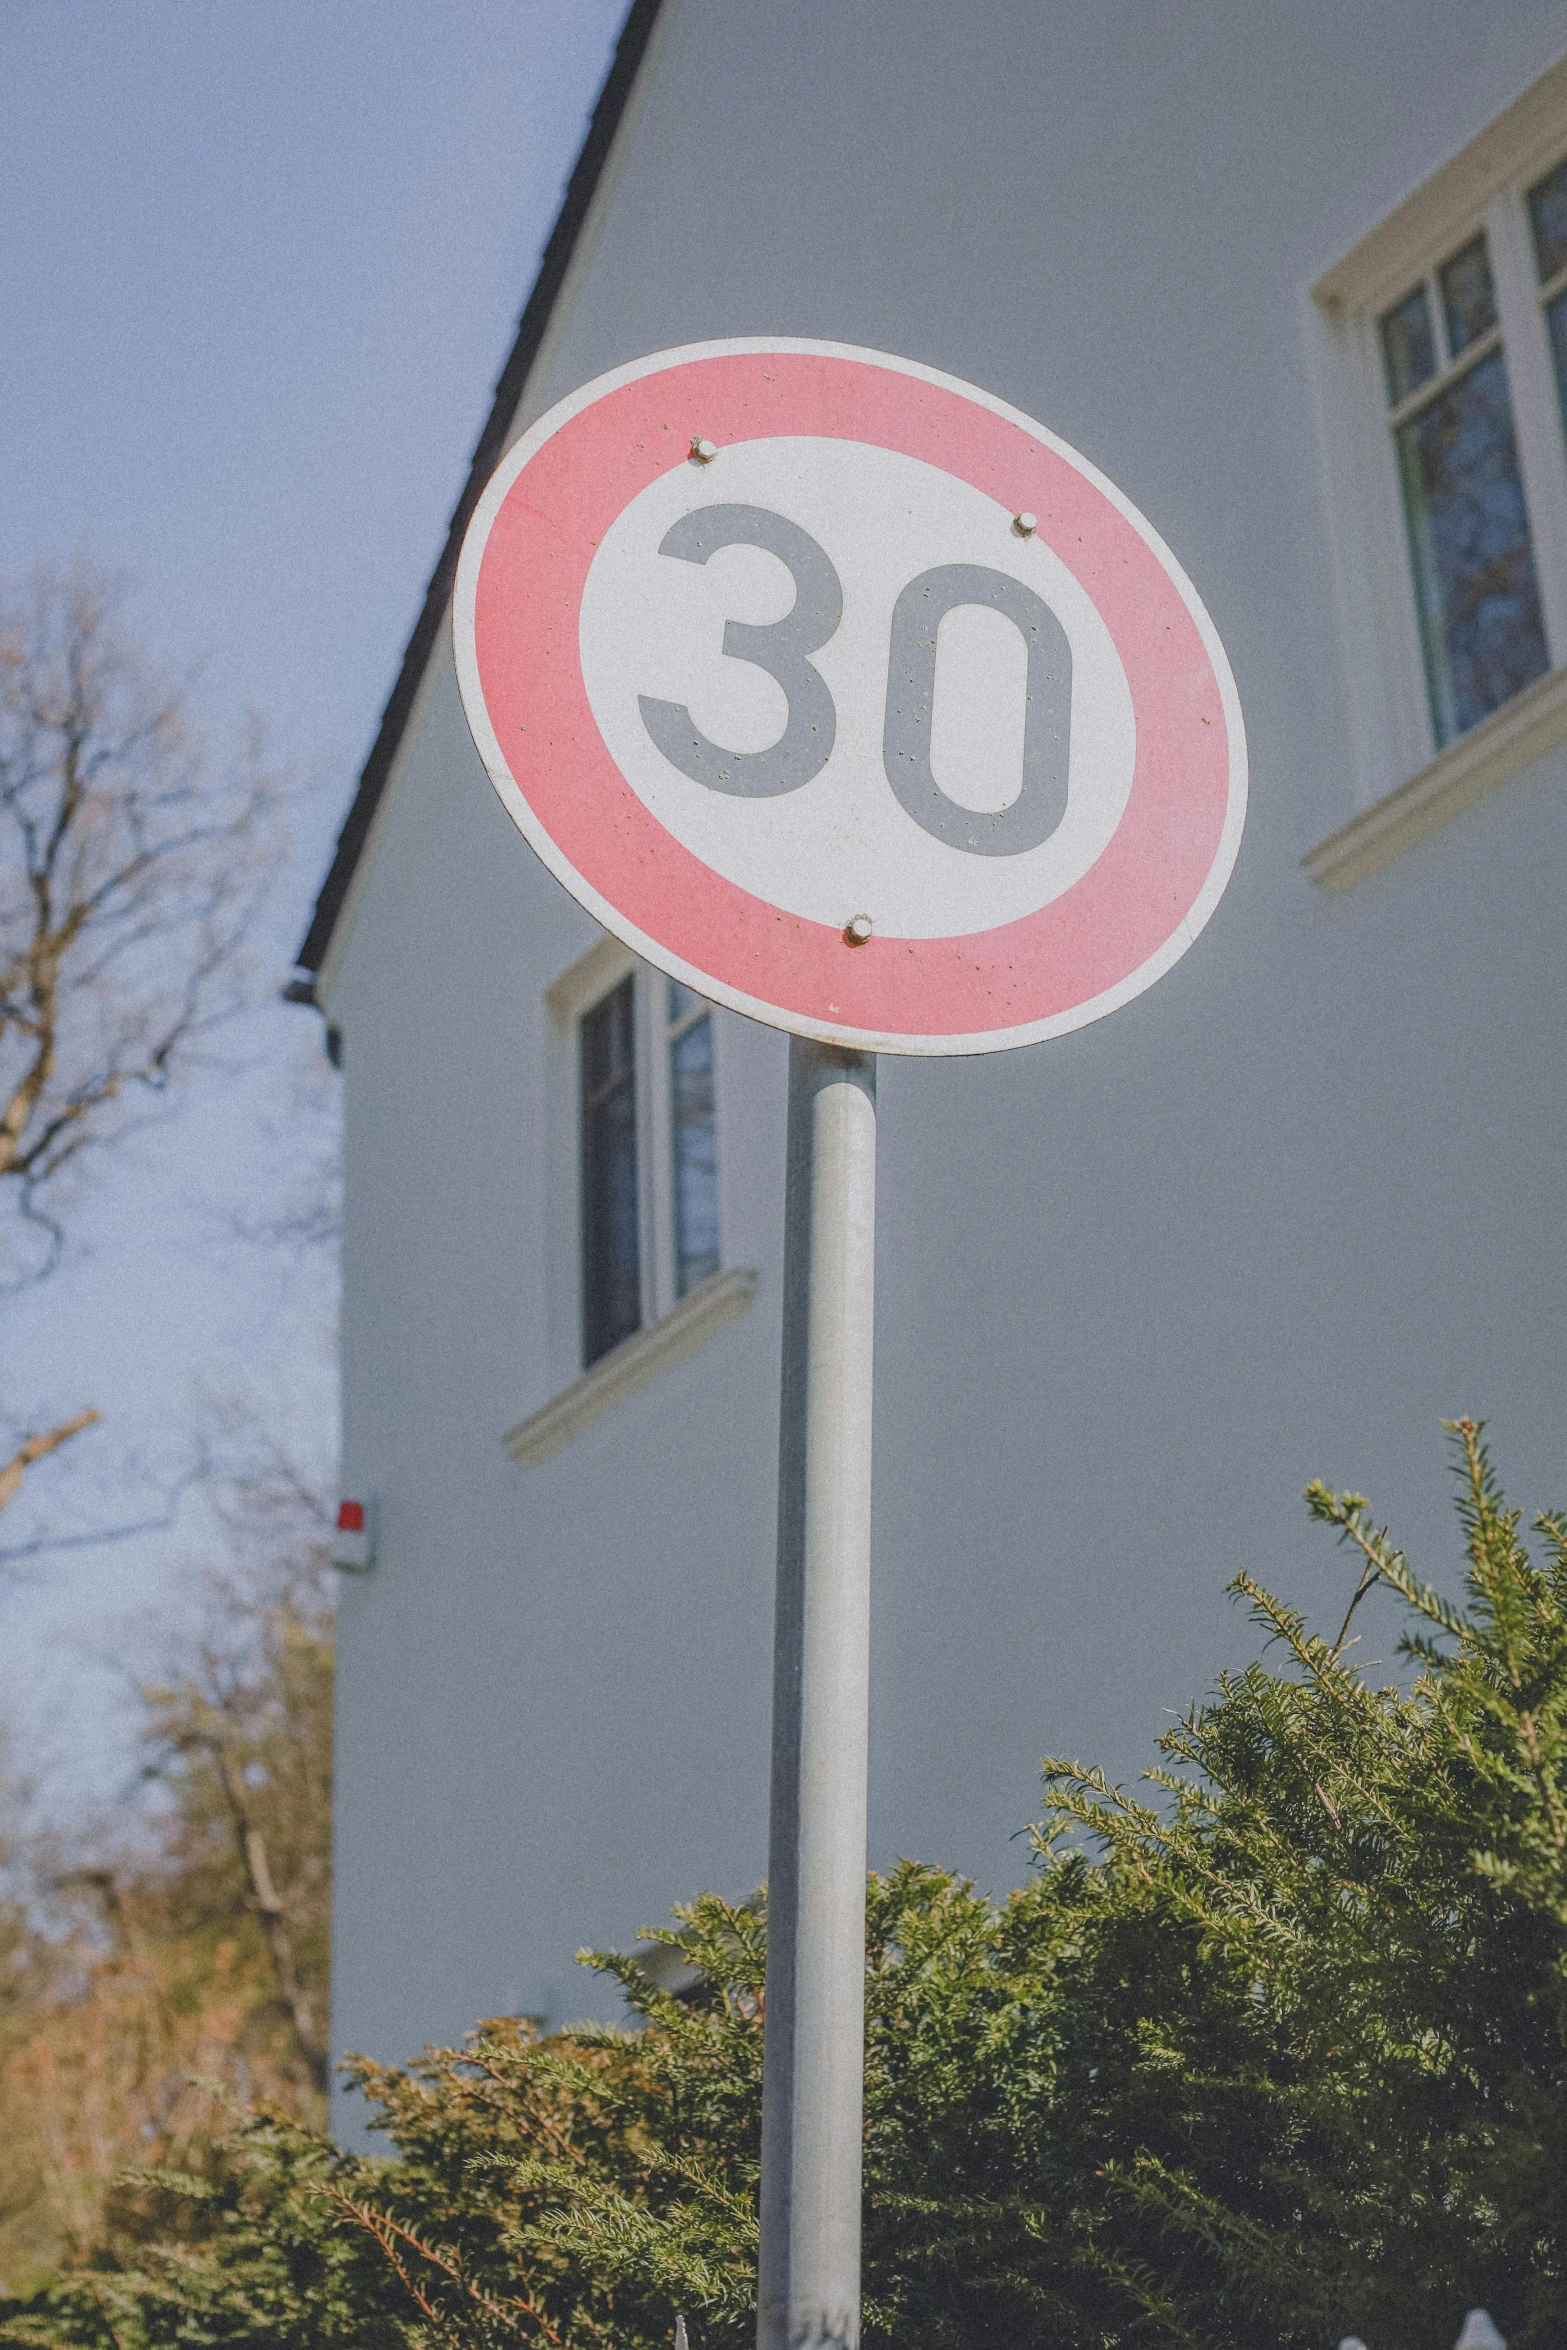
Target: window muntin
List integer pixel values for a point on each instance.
(611, 1201)
(693, 1136)
(1482, 627)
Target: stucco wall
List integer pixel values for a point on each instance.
(1274, 1219)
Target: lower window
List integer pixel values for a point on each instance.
(648, 1127)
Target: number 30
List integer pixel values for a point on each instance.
(783, 648)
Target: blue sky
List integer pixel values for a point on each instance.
(260, 265)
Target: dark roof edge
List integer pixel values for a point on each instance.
(581, 188)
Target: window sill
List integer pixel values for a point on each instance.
(1490, 754)
(699, 1315)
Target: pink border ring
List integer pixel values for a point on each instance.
(518, 596)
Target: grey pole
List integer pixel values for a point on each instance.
(813, 2057)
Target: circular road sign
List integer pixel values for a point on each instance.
(850, 696)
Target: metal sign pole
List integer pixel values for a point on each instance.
(813, 2070)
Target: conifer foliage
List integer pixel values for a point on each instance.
(1275, 2052)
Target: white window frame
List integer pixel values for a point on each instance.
(1396, 753)
(586, 983)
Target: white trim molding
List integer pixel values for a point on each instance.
(1521, 141)
(700, 1315)
(592, 975)
(1512, 738)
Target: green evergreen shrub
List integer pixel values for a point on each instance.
(1274, 2055)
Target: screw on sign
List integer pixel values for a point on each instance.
(856, 700)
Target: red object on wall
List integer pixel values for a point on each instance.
(353, 1542)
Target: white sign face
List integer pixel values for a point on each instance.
(850, 697)
(652, 626)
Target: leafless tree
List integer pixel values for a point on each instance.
(295, 1217)
(238, 1724)
(131, 868)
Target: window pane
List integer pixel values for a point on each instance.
(611, 1255)
(607, 1048)
(1408, 346)
(696, 1155)
(1468, 296)
(1469, 535)
(1556, 323)
(1548, 219)
(682, 1000)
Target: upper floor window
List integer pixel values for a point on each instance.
(1482, 630)
(648, 1154)
(1443, 363)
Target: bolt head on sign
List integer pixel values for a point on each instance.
(850, 696)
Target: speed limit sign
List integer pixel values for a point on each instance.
(851, 696)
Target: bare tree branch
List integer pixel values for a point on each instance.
(35, 1448)
(44, 1543)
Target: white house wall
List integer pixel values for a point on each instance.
(1273, 1220)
